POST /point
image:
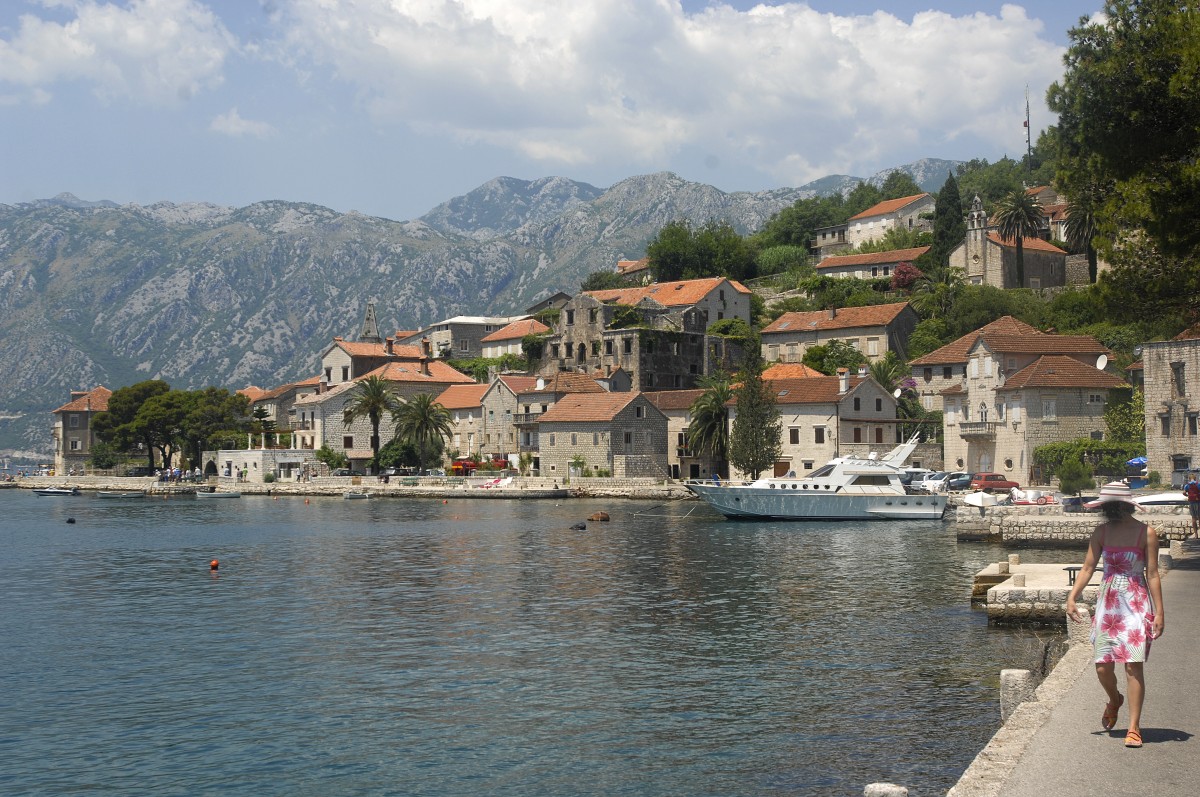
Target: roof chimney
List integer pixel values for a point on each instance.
(426, 347)
(832, 312)
(389, 345)
(843, 375)
(862, 370)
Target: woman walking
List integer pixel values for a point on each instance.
(1129, 605)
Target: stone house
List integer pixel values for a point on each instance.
(508, 339)
(903, 213)
(483, 416)
(830, 416)
(72, 431)
(682, 462)
(828, 241)
(460, 337)
(868, 266)
(635, 272)
(1171, 378)
(874, 330)
(1019, 343)
(552, 302)
(621, 433)
(656, 346)
(718, 297)
(280, 402)
(1015, 399)
(535, 400)
(987, 259)
(465, 405)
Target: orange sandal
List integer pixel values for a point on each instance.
(1109, 718)
(1133, 739)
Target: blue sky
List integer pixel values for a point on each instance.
(389, 107)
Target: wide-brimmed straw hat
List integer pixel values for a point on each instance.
(1113, 491)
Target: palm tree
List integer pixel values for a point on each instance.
(933, 297)
(888, 371)
(423, 422)
(1081, 230)
(1018, 216)
(373, 399)
(708, 431)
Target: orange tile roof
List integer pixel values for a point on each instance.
(888, 206)
(94, 400)
(1044, 343)
(1191, 333)
(790, 371)
(956, 351)
(567, 382)
(673, 399)
(411, 372)
(253, 392)
(583, 407)
(874, 258)
(461, 397)
(683, 293)
(875, 315)
(630, 266)
(1030, 244)
(1137, 366)
(358, 348)
(1056, 370)
(518, 384)
(813, 390)
(517, 330)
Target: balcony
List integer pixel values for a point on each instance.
(978, 430)
(520, 418)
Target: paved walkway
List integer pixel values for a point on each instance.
(1056, 746)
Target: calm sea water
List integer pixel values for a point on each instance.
(483, 648)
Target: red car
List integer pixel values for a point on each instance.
(989, 482)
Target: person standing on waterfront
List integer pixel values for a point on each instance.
(1129, 605)
(1192, 491)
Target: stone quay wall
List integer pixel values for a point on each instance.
(1051, 527)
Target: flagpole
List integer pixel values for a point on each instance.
(1028, 134)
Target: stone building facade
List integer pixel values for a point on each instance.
(1172, 393)
(621, 433)
(903, 213)
(869, 266)
(873, 330)
(987, 259)
(72, 431)
(682, 461)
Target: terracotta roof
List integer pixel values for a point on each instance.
(875, 315)
(953, 390)
(1191, 333)
(580, 407)
(518, 384)
(812, 390)
(1030, 244)
(1056, 370)
(956, 351)
(790, 371)
(461, 397)
(439, 372)
(673, 399)
(1137, 366)
(1044, 343)
(874, 258)
(252, 392)
(630, 266)
(567, 382)
(358, 348)
(888, 206)
(1037, 189)
(318, 398)
(517, 330)
(95, 400)
(669, 294)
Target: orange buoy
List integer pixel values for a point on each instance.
(214, 564)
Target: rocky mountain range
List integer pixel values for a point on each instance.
(92, 292)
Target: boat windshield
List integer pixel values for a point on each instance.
(819, 472)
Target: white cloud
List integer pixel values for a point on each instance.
(790, 91)
(154, 51)
(232, 124)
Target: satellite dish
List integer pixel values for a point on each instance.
(1101, 361)
(896, 393)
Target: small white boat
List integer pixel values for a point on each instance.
(351, 495)
(56, 491)
(214, 494)
(1161, 499)
(847, 488)
(118, 494)
(980, 499)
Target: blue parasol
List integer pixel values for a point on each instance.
(1137, 462)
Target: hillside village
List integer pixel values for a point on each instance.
(617, 372)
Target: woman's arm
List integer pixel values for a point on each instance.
(1154, 582)
(1085, 574)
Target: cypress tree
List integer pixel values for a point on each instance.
(949, 228)
(754, 441)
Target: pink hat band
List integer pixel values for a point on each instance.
(1113, 491)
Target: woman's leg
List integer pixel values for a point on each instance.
(1107, 673)
(1135, 684)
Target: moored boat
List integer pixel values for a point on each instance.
(120, 494)
(216, 494)
(56, 491)
(351, 495)
(847, 488)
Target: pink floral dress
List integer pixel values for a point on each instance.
(1124, 611)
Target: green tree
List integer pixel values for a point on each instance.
(990, 181)
(425, 423)
(934, 295)
(117, 424)
(755, 441)
(680, 252)
(899, 184)
(1074, 476)
(213, 413)
(1124, 416)
(785, 257)
(334, 459)
(160, 421)
(1082, 231)
(862, 197)
(895, 238)
(602, 281)
(373, 398)
(103, 456)
(949, 227)
(889, 371)
(833, 355)
(708, 430)
(796, 225)
(1018, 216)
(735, 328)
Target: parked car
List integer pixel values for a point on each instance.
(958, 480)
(992, 482)
(935, 482)
(912, 477)
(344, 472)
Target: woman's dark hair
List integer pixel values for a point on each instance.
(1116, 510)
